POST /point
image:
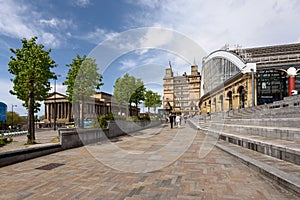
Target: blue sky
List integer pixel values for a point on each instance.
(71, 27)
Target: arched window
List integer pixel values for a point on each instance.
(221, 102)
(229, 96)
(241, 92)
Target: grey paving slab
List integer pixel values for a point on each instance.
(81, 174)
(43, 136)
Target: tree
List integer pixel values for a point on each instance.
(139, 92)
(152, 99)
(82, 81)
(13, 119)
(32, 69)
(157, 101)
(128, 90)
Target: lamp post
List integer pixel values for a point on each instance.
(55, 106)
(12, 115)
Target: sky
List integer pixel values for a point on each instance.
(139, 37)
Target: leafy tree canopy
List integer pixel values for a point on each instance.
(84, 77)
(16, 117)
(82, 81)
(32, 69)
(128, 90)
(31, 66)
(152, 100)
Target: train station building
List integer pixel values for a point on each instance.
(242, 77)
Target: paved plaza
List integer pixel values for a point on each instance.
(86, 173)
(43, 137)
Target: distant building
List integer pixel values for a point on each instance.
(63, 109)
(182, 93)
(99, 104)
(238, 78)
(3, 112)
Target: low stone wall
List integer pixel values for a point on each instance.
(71, 138)
(35, 151)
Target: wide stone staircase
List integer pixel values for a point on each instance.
(266, 138)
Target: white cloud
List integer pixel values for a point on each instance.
(82, 3)
(98, 35)
(11, 22)
(128, 64)
(60, 88)
(50, 40)
(215, 23)
(19, 20)
(51, 22)
(154, 38)
(61, 24)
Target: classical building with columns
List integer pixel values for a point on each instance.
(58, 109)
(244, 77)
(63, 107)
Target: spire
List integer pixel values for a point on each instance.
(170, 64)
(194, 61)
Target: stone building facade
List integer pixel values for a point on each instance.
(238, 78)
(182, 93)
(59, 109)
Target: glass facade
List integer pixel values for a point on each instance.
(216, 71)
(272, 85)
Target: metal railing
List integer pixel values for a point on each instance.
(13, 134)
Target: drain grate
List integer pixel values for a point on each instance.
(50, 166)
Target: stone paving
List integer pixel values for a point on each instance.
(43, 136)
(79, 174)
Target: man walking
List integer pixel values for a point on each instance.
(171, 118)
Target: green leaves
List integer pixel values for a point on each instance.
(31, 66)
(152, 99)
(83, 78)
(128, 90)
(82, 81)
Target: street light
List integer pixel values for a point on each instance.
(12, 115)
(55, 106)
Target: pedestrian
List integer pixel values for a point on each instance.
(185, 118)
(171, 119)
(178, 121)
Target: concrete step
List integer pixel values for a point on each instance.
(283, 133)
(288, 112)
(284, 173)
(271, 122)
(278, 148)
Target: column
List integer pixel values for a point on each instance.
(292, 72)
(46, 113)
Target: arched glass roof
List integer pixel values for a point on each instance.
(219, 67)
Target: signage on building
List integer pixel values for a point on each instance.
(3, 112)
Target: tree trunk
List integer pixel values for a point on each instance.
(31, 131)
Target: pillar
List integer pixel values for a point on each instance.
(291, 72)
(46, 113)
(291, 85)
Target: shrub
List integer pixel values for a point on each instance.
(103, 120)
(4, 140)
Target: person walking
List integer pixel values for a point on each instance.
(171, 119)
(178, 121)
(185, 118)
